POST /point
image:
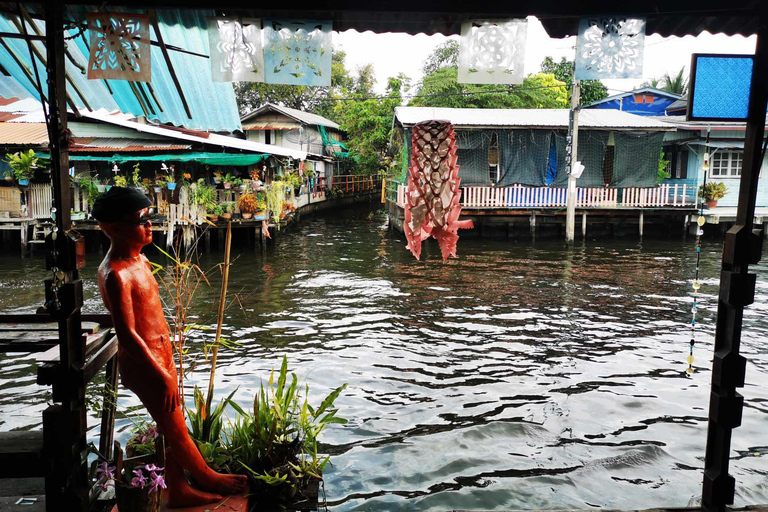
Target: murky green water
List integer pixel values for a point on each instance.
(519, 376)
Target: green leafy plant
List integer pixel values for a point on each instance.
(228, 207)
(292, 180)
(136, 176)
(205, 195)
(275, 199)
(227, 178)
(662, 173)
(21, 164)
(214, 209)
(712, 191)
(121, 181)
(247, 203)
(276, 443)
(205, 427)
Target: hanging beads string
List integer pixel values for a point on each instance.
(57, 274)
(696, 285)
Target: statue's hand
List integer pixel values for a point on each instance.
(170, 395)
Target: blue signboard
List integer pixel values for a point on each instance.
(720, 87)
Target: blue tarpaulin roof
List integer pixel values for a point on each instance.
(212, 104)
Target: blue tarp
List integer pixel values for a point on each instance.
(212, 104)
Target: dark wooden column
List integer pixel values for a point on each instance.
(743, 246)
(65, 423)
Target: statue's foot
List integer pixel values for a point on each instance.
(187, 496)
(224, 484)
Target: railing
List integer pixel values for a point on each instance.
(521, 196)
(353, 183)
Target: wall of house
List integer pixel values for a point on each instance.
(289, 139)
(628, 104)
(695, 172)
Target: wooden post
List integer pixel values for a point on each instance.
(533, 224)
(737, 289)
(640, 223)
(64, 427)
(584, 224)
(570, 219)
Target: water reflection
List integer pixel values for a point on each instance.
(519, 376)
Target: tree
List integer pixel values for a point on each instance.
(441, 89)
(252, 95)
(591, 90)
(676, 85)
(444, 55)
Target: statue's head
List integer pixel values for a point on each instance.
(123, 215)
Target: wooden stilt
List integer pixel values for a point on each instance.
(640, 223)
(584, 225)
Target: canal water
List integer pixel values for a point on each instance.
(519, 376)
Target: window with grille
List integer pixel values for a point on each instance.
(726, 163)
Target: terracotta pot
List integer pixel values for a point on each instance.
(130, 499)
(213, 218)
(246, 215)
(226, 216)
(227, 185)
(711, 204)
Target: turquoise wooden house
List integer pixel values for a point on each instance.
(685, 148)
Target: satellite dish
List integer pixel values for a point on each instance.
(301, 136)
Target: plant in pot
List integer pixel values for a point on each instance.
(217, 177)
(214, 210)
(228, 208)
(121, 181)
(247, 205)
(136, 177)
(22, 166)
(227, 180)
(711, 192)
(170, 181)
(136, 477)
(186, 180)
(276, 444)
(160, 181)
(275, 199)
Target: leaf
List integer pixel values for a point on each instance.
(328, 402)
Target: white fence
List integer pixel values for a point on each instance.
(521, 196)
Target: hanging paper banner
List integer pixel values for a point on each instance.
(119, 47)
(236, 50)
(492, 52)
(610, 47)
(297, 52)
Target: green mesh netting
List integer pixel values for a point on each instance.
(523, 157)
(329, 141)
(473, 156)
(591, 154)
(637, 159)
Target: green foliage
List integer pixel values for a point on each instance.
(121, 181)
(136, 175)
(712, 191)
(205, 195)
(677, 84)
(662, 173)
(276, 443)
(89, 185)
(205, 426)
(445, 55)
(21, 164)
(292, 180)
(591, 90)
(275, 199)
(442, 89)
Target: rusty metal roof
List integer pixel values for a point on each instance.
(111, 144)
(271, 125)
(29, 134)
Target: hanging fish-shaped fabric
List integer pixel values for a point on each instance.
(432, 202)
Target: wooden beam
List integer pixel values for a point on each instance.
(164, 50)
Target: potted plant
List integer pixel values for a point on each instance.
(22, 166)
(275, 199)
(214, 210)
(276, 444)
(137, 479)
(712, 191)
(247, 205)
(121, 181)
(261, 207)
(227, 209)
(186, 180)
(160, 181)
(217, 177)
(227, 179)
(170, 181)
(136, 177)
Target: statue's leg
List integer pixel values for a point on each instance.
(185, 452)
(180, 493)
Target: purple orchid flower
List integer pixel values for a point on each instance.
(105, 474)
(156, 483)
(152, 468)
(151, 433)
(139, 481)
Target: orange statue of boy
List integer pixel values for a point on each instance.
(145, 352)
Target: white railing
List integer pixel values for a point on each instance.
(521, 196)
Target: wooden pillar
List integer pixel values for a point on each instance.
(64, 425)
(640, 223)
(737, 290)
(570, 218)
(584, 224)
(533, 224)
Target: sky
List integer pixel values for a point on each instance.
(393, 53)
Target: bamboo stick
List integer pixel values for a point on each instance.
(222, 304)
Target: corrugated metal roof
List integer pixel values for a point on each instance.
(652, 90)
(30, 134)
(112, 144)
(270, 125)
(299, 115)
(595, 119)
(213, 139)
(212, 104)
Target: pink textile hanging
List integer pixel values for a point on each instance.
(432, 203)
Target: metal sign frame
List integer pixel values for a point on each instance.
(692, 85)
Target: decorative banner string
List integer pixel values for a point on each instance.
(696, 285)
